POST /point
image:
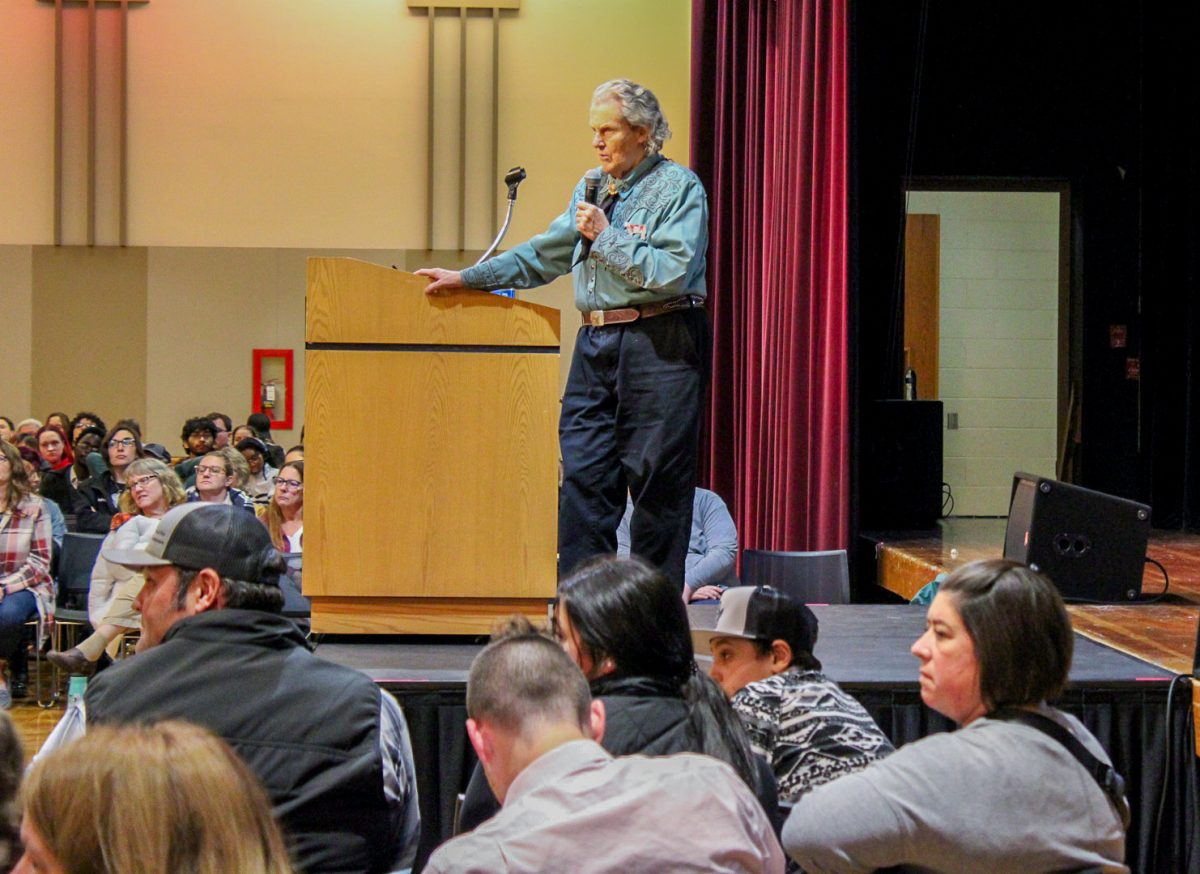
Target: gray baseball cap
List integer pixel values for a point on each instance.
(761, 613)
(199, 535)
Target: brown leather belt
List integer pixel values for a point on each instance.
(624, 315)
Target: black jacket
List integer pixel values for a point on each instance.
(94, 503)
(308, 728)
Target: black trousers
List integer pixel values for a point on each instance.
(630, 420)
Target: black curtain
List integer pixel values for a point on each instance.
(1096, 95)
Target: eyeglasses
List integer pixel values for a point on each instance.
(141, 482)
(124, 441)
(294, 484)
(215, 471)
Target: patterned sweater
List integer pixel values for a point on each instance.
(808, 729)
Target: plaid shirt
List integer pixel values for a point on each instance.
(25, 539)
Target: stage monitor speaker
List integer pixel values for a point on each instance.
(901, 468)
(1089, 544)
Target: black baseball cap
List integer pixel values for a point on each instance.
(762, 613)
(200, 535)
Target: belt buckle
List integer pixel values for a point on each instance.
(596, 318)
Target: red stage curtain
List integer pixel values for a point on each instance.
(769, 139)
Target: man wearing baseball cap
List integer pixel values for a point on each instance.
(797, 718)
(331, 748)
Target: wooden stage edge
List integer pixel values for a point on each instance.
(472, 616)
(1163, 633)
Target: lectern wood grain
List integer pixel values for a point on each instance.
(432, 454)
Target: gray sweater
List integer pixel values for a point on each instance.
(994, 796)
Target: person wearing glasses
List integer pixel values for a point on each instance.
(97, 500)
(215, 477)
(153, 488)
(284, 516)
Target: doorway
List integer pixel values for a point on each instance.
(986, 304)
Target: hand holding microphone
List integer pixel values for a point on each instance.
(590, 220)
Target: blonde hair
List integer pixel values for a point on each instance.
(236, 464)
(147, 799)
(172, 487)
(272, 517)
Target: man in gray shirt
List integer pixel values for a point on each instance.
(568, 804)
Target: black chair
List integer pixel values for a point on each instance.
(809, 577)
(79, 554)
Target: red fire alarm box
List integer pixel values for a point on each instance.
(273, 386)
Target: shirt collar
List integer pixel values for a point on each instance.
(645, 166)
(549, 768)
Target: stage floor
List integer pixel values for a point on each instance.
(1163, 634)
(861, 646)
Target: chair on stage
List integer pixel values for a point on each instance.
(808, 577)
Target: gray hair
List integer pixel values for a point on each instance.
(639, 107)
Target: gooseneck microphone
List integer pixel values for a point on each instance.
(591, 188)
(512, 179)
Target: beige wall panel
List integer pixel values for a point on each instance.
(208, 309)
(16, 332)
(89, 331)
(27, 122)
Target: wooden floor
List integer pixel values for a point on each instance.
(34, 724)
(1163, 634)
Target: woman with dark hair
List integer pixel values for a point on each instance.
(623, 622)
(261, 484)
(62, 420)
(26, 589)
(97, 501)
(1015, 789)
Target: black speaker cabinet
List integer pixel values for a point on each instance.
(1091, 545)
(901, 465)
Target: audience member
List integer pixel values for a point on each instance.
(62, 420)
(153, 490)
(261, 423)
(568, 804)
(284, 516)
(798, 719)
(237, 462)
(214, 482)
(331, 748)
(261, 484)
(26, 588)
(222, 427)
(6, 429)
(88, 441)
(32, 462)
(198, 435)
(147, 800)
(28, 427)
(240, 433)
(85, 419)
(296, 453)
(97, 501)
(1002, 794)
(623, 623)
(712, 548)
(159, 453)
(57, 461)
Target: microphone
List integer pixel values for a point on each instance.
(591, 187)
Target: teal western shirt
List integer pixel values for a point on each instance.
(653, 249)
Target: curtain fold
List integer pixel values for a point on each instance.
(769, 139)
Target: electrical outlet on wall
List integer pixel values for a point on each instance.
(952, 421)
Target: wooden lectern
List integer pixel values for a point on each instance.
(431, 480)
